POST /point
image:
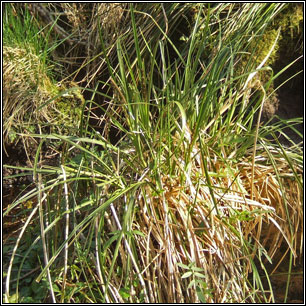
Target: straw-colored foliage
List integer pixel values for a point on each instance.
(31, 97)
(195, 202)
(217, 224)
(25, 87)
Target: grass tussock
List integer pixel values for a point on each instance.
(194, 201)
(218, 231)
(26, 86)
(31, 97)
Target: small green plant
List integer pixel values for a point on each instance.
(197, 282)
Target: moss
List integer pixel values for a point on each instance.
(69, 106)
(288, 47)
(290, 21)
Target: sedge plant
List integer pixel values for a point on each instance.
(192, 201)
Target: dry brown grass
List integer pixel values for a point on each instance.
(222, 235)
(25, 87)
(31, 97)
(217, 213)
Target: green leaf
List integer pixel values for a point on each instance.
(191, 284)
(187, 274)
(197, 269)
(199, 275)
(124, 292)
(136, 232)
(201, 283)
(200, 295)
(111, 240)
(183, 266)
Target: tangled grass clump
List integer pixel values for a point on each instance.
(25, 87)
(31, 98)
(207, 216)
(194, 201)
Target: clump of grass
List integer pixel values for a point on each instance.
(24, 83)
(191, 201)
(31, 96)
